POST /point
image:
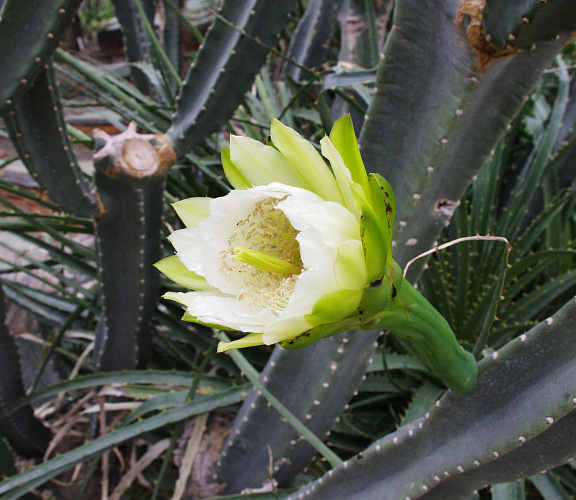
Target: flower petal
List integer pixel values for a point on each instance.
(310, 287)
(232, 172)
(331, 221)
(192, 210)
(285, 329)
(343, 138)
(251, 340)
(334, 307)
(230, 312)
(179, 297)
(341, 173)
(350, 268)
(173, 268)
(261, 164)
(306, 161)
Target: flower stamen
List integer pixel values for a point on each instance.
(264, 255)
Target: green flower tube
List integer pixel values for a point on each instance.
(410, 315)
(299, 251)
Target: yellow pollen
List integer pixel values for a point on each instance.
(264, 254)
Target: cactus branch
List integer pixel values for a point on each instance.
(331, 370)
(21, 428)
(130, 176)
(31, 30)
(38, 131)
(222, 72)
(524, 417)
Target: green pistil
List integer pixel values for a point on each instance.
(264, 262)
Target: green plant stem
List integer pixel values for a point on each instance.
(253, 375)
(410, 315)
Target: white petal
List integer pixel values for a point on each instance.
(183, 239)
(203, 259)
(331, 221)
(342, 174)
(186, 298)
(323, 226)
(228, 311)
(311, 285)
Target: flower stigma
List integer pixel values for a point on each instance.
(265, 262)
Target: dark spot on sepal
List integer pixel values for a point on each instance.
(394, 291)
(376, 283)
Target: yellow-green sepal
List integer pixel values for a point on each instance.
(193, 319)
(334, 307)
(397, 277)
(306, 161)
(341, 174)
(378, 294)
(374, 242)
(232, 172)
(343, 138)
(318, 333)
(385, 207)
(173, 268)
(250, 340)
(192, 210)
(375, 298)
(261, 164)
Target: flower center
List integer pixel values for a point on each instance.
(264, 254)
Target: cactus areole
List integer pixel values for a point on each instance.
(299, 251)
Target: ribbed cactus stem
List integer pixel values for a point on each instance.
(25, 433)
(130, 176)
(520, 420)
(314, 384)
(38, 131)
(31, 31)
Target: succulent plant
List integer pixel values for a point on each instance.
(449, 106)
